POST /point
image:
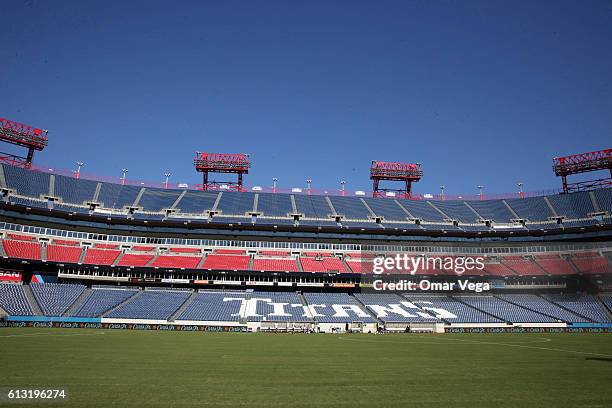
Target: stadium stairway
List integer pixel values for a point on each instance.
(134, 296)
(199, 265)
(152, 260)
(27, 291)
(116, 261)
(43, 252)
(82, 257)
(78, 302)
(184, 306)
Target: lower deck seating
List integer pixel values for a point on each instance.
(151, 304)
(278, 306)
(542, 306)
(459, 312)
(583, 305)
(101, 301)
(337, 308)
(391, 308)
(504, 310)
(13, 300)
(55, 298)
(214, 306)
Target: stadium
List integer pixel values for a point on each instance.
(97, 255)
(242, 277)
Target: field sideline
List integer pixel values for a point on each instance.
(161, 369)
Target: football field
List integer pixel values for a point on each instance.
(123, 368)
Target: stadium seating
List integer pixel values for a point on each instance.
(388, 209)
(542, 306)
(274, 205)
(391, 308)
(591, 263)
(151, 304)
(176, 261)
(275, 264)
(95, 256)
(13, 300)
(32, 186)
(55, 298)
(214, 306)
(555, 265)
(101, 301)
(337, 308)
(291, 310)
(463, 313)
(583, 305)
(504, 310)
(22, 249)
(522, 266)
(226, 262)
(322, 265)
(236, 203)
(60, 253)
(135, 260)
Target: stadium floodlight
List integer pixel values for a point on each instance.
(342, 183)
(442, 192)
(167, 175)
(124, 171)
(480, 188)
(79, 164)
(584, 163)
(21, 135)
(407, 173)
(274, 180)
(227, 163)
(520, 186)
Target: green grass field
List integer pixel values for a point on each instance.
(162, 369)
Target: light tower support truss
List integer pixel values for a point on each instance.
(21, 135)
(222, 163)
(584, 163)
(394, 171)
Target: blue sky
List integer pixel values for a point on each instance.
(478, 92)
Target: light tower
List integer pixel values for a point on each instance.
(308, 184)
(222, 163)
(78, 171)
(442, 192)
(584, 163)
(342, 183)
(274, 180)
(124, 171)
(167, 175)
(520, 186)
(480, 188)
(21, 135)
(394, 171)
